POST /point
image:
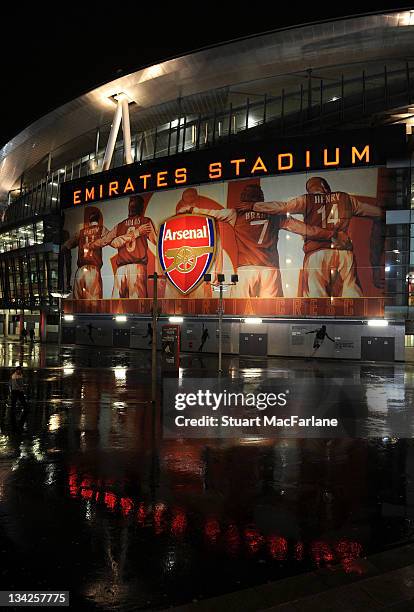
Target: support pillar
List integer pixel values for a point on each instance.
(126, 129)
(6, 325)
(121, 112)
(112, 138)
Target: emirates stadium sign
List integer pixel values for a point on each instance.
(186, 249)
(350, 149)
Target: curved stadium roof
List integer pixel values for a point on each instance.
(210, 78)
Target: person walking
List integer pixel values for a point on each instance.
(149, 334)
(24, 334)
(17, 395)
(32, 334)
(204, 337)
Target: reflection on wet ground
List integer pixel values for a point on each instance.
(93, 500)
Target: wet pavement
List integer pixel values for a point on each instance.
(93, 500)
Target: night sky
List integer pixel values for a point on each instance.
(50, 57)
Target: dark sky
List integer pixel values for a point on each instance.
(52, 55)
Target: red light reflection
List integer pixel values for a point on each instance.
(126, 505)
(178, 523)
(278, 547)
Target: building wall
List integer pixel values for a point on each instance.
(284, 338)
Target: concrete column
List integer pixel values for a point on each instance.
(112, 138)
(6, 324)
(126, 129)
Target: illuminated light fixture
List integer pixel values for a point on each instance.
(253, 321)
(121, 96)
(120, 318)
(176, 319)
(62, 170)
(395, 251)
(252, 121)
(334, 98)
(224, 288)
(175, 123)
(377, 322)
(387, 268)
(120, 373)
(68, 317)
(406, 18)
(60, 294)
(288, 260)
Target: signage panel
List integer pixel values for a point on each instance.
(303, 245)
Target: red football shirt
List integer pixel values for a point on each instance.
(135, 251)
(257, 235)
(329, 211)
(86, 255)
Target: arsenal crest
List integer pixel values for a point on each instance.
(186, 248)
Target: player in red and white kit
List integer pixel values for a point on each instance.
(88, 281)
(257, 235)
(130, 237)
(326, 265)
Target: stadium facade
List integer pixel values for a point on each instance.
(278, 164)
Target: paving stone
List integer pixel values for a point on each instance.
(246, 600)
(336, 576)
(393, 559)
(287, 607)
(291, 588)
(405, 606)
(392, 587)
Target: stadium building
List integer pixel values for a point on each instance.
(277, 165)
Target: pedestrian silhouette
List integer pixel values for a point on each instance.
(204, 337)
(90, 329)
(17, 396)
(149, 333)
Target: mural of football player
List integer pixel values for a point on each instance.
(189, 199)
(329, 270)
(257, 235)
(130, 237)
(87, 283)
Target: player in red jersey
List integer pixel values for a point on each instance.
(130, 237)
(88, 281)
(328, 266)
(257, 235)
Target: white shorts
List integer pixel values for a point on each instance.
(130, 281)
(330, 273)
(87, 284)
(260, 281)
